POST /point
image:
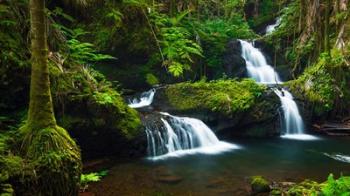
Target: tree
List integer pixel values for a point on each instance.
(55, 156)
(326, 28)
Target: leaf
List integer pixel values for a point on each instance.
(176, 69)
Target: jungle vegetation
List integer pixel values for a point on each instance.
(67, 65)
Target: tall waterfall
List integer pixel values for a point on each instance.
(259, 70)
(145, 99)
(182, 135)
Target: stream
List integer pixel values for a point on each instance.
(226, 173)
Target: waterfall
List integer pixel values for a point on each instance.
(261, 72)
(181, 136)
(270, 28)
(145, 99)
(293, 123)
(257, 67)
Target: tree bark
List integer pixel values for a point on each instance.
(326, 29)
(41, 113)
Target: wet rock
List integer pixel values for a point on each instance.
(234, 64)
(259, 185)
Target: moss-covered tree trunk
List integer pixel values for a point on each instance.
(40, 106)
(54, 156)
(326, 28)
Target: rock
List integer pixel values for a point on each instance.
(260, 119)
(103, 125)
(234, 64)
(259, 185)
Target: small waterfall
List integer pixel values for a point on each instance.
(260, 71)
(270, 28)
(145, 99)
(293, 123)
(179, 136)
(257, 67)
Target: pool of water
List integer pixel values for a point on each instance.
(226, 174)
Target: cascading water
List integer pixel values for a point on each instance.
(257, 67)
(181, 136)
(145, 99)
(260, 71)
(270, 28)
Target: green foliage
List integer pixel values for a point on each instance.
(267, 11)
(84, 52)
(126, 120)
(91, 177)
(176, 44)
(339, 187)
(324, 83)
(151, 79)
(222, 96)
(178, 49)
(85, 179)
(55, 158)
(331, 187)
(214, 35)
(306, 187)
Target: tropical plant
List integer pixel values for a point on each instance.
(85, 179)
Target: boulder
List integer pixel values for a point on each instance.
(234, 64)
(259, 185)
(102, 124)
(229, 108)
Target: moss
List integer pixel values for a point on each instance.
(224, 96)
(324, 84)
(127, 121)
(55, 159)
(151, 79)
(259, 184)
(340, 186)
(306, 187)
(276, 192)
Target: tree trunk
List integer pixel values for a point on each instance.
(45, 143)
(40, 106)
(326, 28)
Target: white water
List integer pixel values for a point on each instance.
(257, 67)
(270, 28)
(260, 71)
(339, 157)
(183, 136)
(145, 99)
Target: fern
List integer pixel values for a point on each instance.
(85, 179)
(339, 187)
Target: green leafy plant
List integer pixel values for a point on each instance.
(85, 179)
(178, 50)
(339, 186)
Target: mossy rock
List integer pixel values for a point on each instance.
(307, 187)
(229, 107)
(103, 124)
(259, 184)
